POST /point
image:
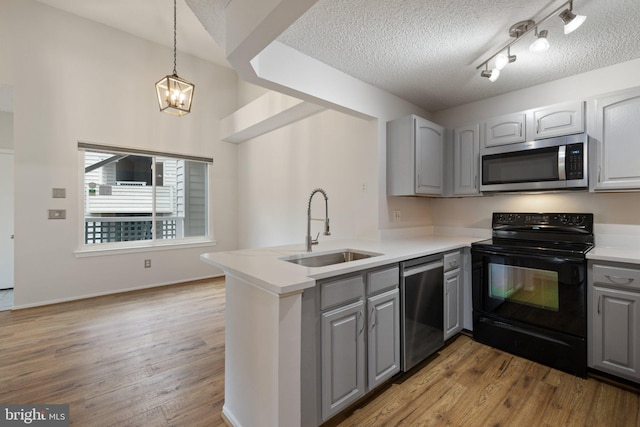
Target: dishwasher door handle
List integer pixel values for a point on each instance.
(422, 268)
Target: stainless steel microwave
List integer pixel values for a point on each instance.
(546, 164)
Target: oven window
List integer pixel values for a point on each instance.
(528, 286)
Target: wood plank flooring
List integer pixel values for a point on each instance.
(156, 358)
(146, 358)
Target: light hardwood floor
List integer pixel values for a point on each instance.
(156, 358)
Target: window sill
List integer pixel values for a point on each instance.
(139, 247)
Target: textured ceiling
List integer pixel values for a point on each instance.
(425, 51)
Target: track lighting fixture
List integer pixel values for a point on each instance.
(540, 44)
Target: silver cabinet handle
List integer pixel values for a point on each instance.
(373, 317)
(622, 280)
(599, 297)
(360, 314)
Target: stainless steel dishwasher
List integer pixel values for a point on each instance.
(421, 293)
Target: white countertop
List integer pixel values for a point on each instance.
(615, 254)
(616, 243)
(264, 268)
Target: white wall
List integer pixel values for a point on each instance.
(277, 172)
(77, 80)
(6, 130)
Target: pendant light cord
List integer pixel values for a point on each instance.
(174, 38)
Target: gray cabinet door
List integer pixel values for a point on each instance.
(466, 147)
(616, 332)
(504, 130)
(558, 120)
(616, 131)
(383, 337)
(452, 303)
(429, 144)
(343, 357)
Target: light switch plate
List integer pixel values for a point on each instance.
(57, 214)
(59, 193)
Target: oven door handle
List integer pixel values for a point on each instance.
(514, 253)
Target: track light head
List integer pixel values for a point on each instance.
(492, 75)
(571, 20)
(540, 44)
(502, 60)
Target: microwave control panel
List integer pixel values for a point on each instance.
(574, 161)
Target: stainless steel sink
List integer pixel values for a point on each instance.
(329, 258)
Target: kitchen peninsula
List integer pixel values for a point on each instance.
(265, 311)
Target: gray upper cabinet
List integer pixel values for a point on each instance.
(414, 157)
(616, 133)
(508, 129)
(466, 160)
(547, 122)
(614, 332)
(558, 120)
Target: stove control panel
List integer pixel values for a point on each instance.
(578, 221)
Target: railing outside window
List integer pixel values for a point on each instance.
(126, 229)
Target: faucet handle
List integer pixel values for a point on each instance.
(315, 241)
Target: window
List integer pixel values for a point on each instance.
(138, 195)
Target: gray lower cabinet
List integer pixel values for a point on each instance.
(452, 303)
(453, 294)
(614, 335)
(383, 337)
(359, 336)
(343, 357)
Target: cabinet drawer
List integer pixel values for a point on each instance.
(616, 276)
(341, 291)
(382, 280)
(452, 261)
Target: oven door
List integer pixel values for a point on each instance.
(545, 291)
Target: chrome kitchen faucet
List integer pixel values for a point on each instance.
(309, 241)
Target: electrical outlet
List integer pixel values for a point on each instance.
(397, 216)
(57, 213)
(147, 263)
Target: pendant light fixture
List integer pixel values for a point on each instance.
(174, 93)
(540, 44)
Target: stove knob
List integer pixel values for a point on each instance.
(564, 219)
(578, 220)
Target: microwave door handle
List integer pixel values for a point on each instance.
(562, 154)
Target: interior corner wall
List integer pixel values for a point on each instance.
(278, 170)
(76, 80)
(6, 130)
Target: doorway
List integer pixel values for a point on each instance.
(6, 229)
